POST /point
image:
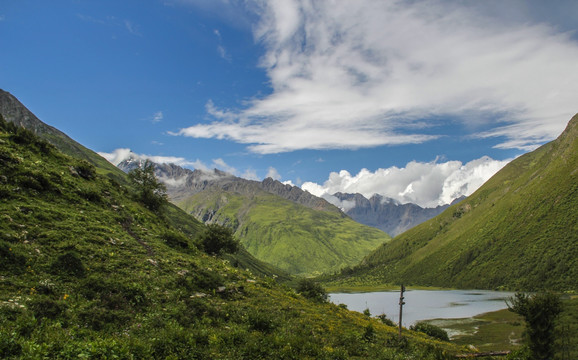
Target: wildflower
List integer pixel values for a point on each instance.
(65, 296)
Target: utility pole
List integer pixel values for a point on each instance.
(401, 303)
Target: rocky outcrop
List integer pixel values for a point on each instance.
(387, 214)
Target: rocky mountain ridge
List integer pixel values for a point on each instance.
(388, 214)
(182, 183)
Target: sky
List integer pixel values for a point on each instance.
(419, 101)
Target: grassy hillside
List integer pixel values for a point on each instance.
(290, 236)
(518, 231)
(14, 111)
(87, 272)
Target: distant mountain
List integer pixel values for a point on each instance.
(14, 111)
(387, 214)
(279, 224)
(182, 183)
(518, 231)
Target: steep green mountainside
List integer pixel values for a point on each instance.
(87, 272)
(277, 223)
(14, 111)
(518, 231)
(293, 237)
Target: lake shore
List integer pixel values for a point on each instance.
(491, 331)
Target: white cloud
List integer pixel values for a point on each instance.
(119, 155)
(220, 48)
(369, 72)
(222, 165)
(426, 184)
(173, 182)
(273, 174)
(250, 174)
(157, 117)
(132, 28)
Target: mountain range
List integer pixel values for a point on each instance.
(277, 223)
(388, 214)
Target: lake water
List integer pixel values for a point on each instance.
(425, 304)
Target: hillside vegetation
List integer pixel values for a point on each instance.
(295, 238)
(14, 111)
(519, 231)
(88, 272)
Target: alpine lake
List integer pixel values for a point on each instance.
(470, 317)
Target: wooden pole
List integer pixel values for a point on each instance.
(401, 303)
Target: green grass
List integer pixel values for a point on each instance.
(517, 232)
(88, 272)
(292, 237)
(494, 331)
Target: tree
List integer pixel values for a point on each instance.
(312, 290)
(540, 311)
(218, 239)
(150, 192)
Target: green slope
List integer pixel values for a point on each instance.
(87, 272)
(290, 236)
(518, 231)
(14, 111)
(11, 110)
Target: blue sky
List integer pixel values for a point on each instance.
(421, 101)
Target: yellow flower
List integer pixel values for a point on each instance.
(65, 296)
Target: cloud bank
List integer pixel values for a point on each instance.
(119, 155)
(425, 184)
(368, 73)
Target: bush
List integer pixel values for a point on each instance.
(260, 321)
(312, 290)
(150, 192)
(113, 295)
(540, 312)
(176, 240)
(218, 239)
(44, 307)
(10, 259)
(85, 170)
(385, 320)
(369, 334)
(9, 346)
(431, 330)
(100, 319)
(68, 264)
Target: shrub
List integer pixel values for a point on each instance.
(112, 295)
(431, 330)
(261, 321)
(9, 346)
(68, 264)
(206, 280)
(99, 319)
(85, 170)
(150, 192)
(10, 259)
(44, 307)
(175, 240)
(369, 334)
(385, 320)
(540, 312)
(218, 239)
(312, 290)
